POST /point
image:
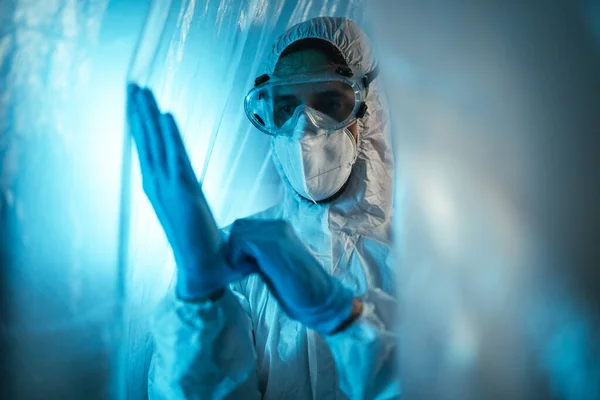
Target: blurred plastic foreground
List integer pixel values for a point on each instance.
(497, 113)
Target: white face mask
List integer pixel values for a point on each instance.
(316, 162)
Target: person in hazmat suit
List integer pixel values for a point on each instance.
(297, 301)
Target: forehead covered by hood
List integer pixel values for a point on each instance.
(342, 33)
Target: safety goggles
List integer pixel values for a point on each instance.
(332, 100)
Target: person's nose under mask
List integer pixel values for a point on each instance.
(317, 162)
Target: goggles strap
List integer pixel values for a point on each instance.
(370, 76)
(261, 79)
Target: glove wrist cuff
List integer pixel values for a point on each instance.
(327, 318)
(357, 309)
(194, 281)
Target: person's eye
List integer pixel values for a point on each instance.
(284, 109)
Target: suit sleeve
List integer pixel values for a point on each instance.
(365, 352)
(203, 350)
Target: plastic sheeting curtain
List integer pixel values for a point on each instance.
(497, 111)
(59, 323)
(200, 59)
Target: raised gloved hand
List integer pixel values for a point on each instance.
(305, 291)
(173, 190)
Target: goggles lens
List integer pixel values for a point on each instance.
(269, 106)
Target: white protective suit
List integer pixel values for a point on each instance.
(243, 346)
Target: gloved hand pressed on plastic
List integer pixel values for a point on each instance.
(175, 194)
(305, 291)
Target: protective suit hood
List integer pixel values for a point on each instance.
(366, 203)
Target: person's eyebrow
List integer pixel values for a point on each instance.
(284, 97)
(331, 93)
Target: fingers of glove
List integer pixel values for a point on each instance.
(137, 130)
(264, 230)
(211, 274)
(242, 258)
(256, 237)
(177, 158)
(241, 269)
(140, 138)
(278, 252)
(239, 254)
(291, 272)
(150, 116)
(249, 238)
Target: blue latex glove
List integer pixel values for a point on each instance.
(304, 290)
(173, 190)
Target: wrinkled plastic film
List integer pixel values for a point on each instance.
(139, 71)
